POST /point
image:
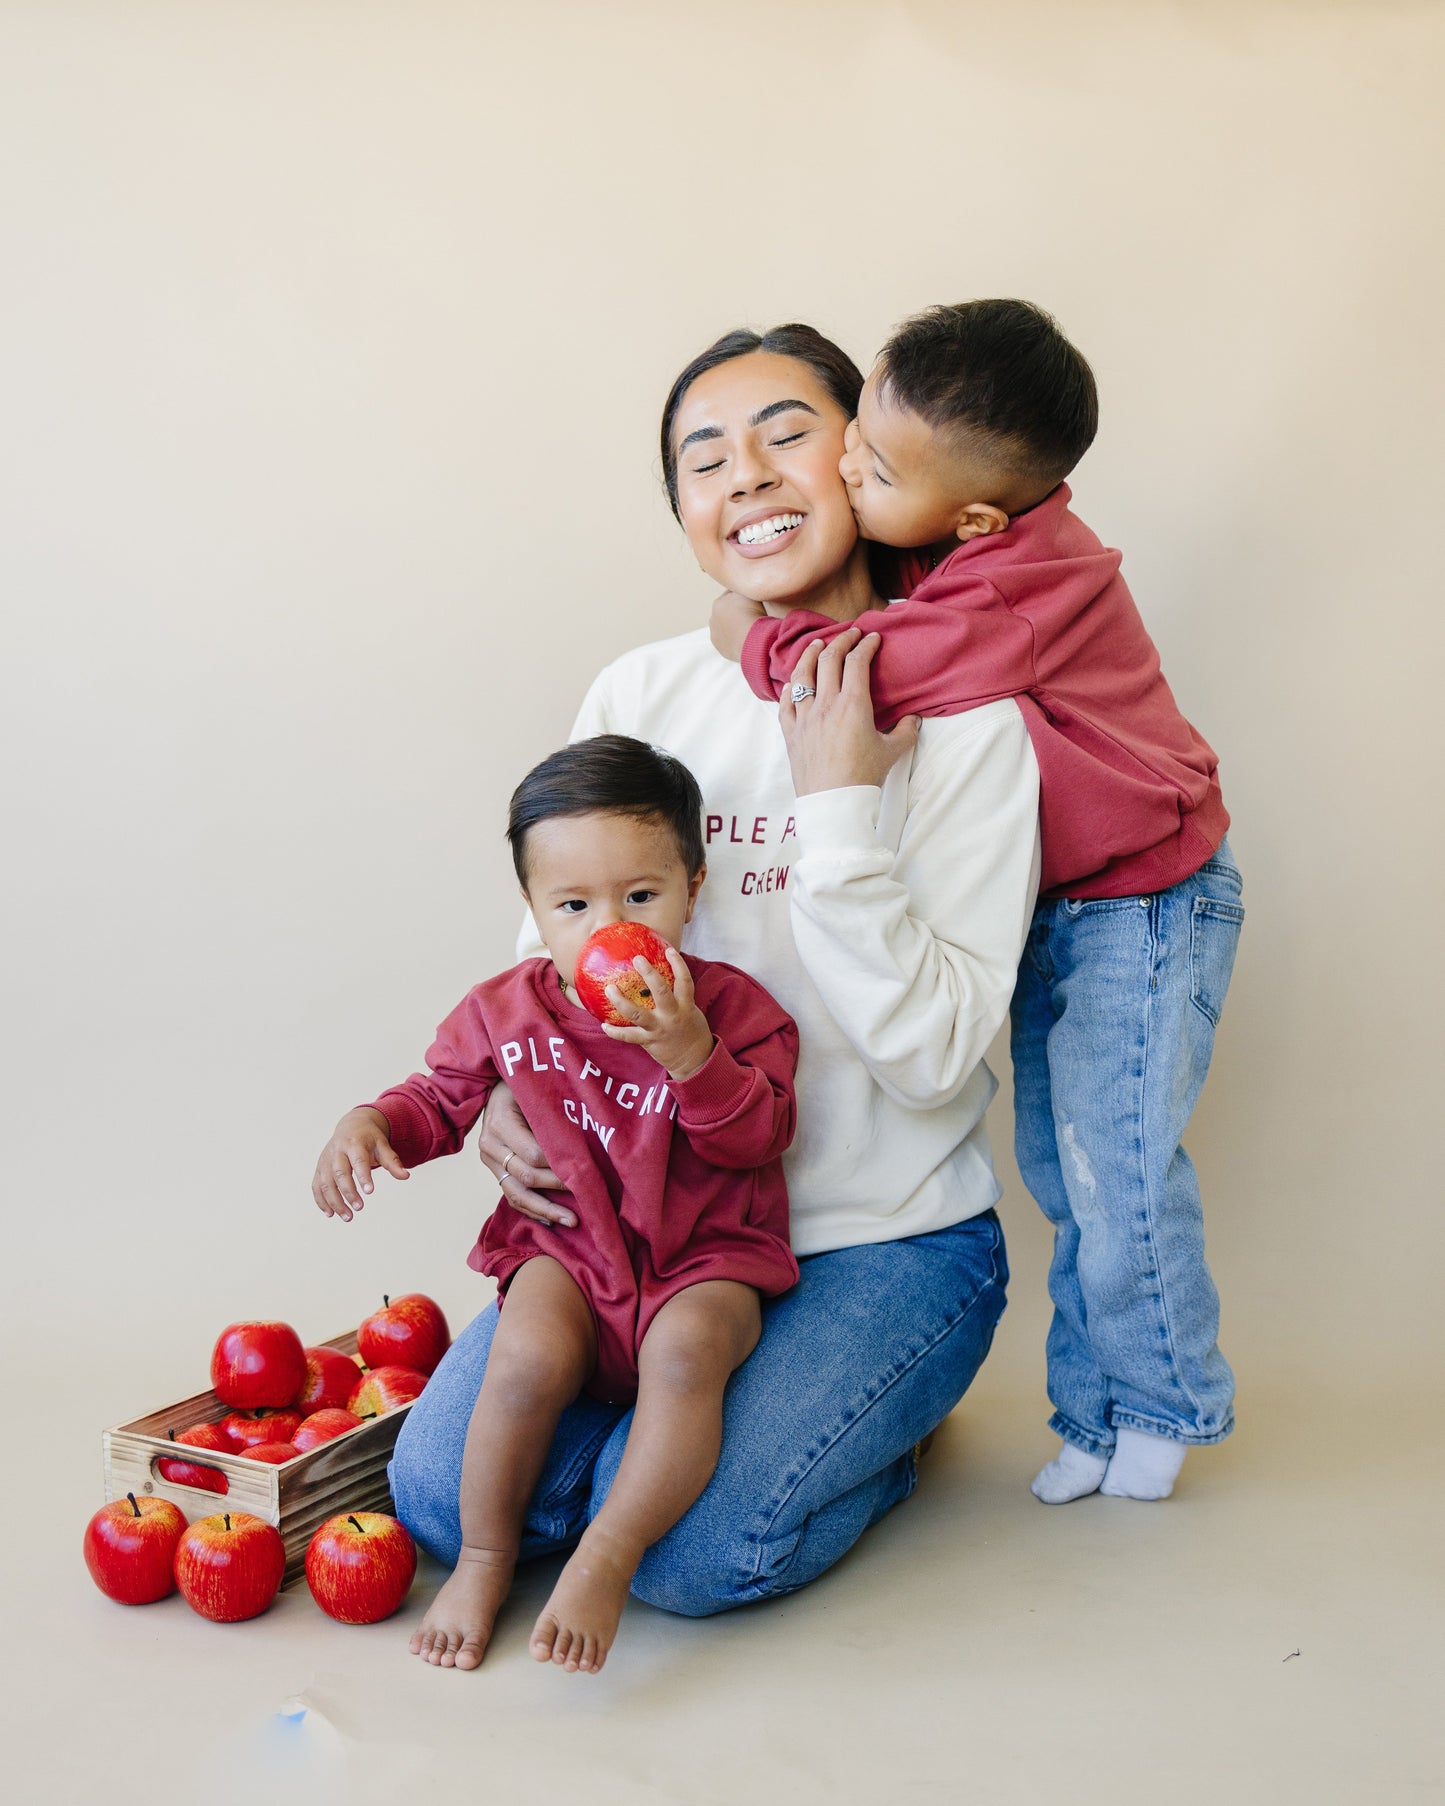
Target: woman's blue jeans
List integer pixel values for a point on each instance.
(872, 1349)
(1113, 1030)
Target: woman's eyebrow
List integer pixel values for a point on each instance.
(773, 407)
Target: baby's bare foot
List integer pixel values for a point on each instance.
(579, 1621)
(457, 1629)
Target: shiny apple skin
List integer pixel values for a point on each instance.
(606, 959)
(384, 1388)
(191, 1473)
(330, 1381)
(256, 1364)
(360, 1567)
(247, 1431)
(276, 1454)
(410, 1331)
(132, 1558)
(229, 1567)
(324, 1426)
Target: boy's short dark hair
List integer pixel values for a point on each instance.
(609, 774)
(1002, 370)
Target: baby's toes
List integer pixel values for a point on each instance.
(544, 1637)
(561, 1648)
(451, 1644)
(470, 1653)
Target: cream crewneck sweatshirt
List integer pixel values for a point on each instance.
(888, 923)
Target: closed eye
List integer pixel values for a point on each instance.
(879, 477)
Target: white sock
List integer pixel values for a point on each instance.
(1143, 1466)
(1072, 1475)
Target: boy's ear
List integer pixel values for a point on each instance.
(980, 518)
(694, 885)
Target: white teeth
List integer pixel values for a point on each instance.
(763, 530)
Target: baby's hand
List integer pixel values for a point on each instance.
(343, 1173)
(674, 1031)
(732, 616)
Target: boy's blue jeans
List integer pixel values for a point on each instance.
(872, 1348)
(1112, 1031)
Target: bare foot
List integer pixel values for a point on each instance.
(579, 1621)
(458, 1627)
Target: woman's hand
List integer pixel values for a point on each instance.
(832, 740)
(510, 1153)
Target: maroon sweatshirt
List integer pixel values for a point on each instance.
(1129, 798)
(670, 1183)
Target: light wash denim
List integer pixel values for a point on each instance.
(1113, 1029)
(872, 1349)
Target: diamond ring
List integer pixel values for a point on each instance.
(801, 692)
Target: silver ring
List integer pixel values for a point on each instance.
(801, 692)
(506, 1164)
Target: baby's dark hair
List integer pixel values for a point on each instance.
(1000, 370)
(610, 774)
(832, 366)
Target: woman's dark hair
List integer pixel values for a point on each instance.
(1002, 369)
(609, 774)
(833, 367)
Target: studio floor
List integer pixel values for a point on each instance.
(1272, 1633)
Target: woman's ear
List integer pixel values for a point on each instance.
(980, 518)
(694, 885)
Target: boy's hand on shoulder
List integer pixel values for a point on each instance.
(732, 617)
(343, 1173)
(674, 1031)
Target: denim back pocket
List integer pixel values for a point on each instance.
(1213, 942)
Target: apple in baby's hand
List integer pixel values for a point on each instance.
(360, 1566)
(330, 1381)
(606, 959)
(248, 1428)
(256, 1364)
(130, 1548)
(191, 1473)
(229, 1567)
(406, 1332)
(276, 1453)
(323, 1426)
(384, 1388)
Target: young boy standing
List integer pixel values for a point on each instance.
(966, 429)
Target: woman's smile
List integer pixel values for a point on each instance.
(763, 532)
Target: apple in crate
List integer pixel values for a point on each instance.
(323, 1426)
(330, 1381)
(130, 1548)
(606, 959)
(256, 1364)
(360, 1566)
(276, 1453)
(406, 1332)
(229, 1567)
(247, 1429)
(191, 1473)
(384, 1388)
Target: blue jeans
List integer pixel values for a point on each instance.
(1112, 1032)
(870, 1350)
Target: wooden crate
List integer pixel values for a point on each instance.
(346, 1474)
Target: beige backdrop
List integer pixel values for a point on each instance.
(333, 340)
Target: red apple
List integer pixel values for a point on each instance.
(276, 1453)
(191, 1473)
(258, 1364)
(247, 1428)
(606, 959)
(322, 1426)
(360, 1567)
(406, 1332)
(130, 1548)
(330, 1381)
(384, 1388)
(229, 1567)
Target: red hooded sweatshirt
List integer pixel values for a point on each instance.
(1129, 799)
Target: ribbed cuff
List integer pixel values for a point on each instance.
(407, 1128)
(715, 1090)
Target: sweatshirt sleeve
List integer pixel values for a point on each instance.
(961, 647)
(738, 1109)
(432, 1112)
(914, 954)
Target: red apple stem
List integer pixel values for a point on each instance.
(353, 1519)
(134, 1507)
(386, 1299)
(227, 1517)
